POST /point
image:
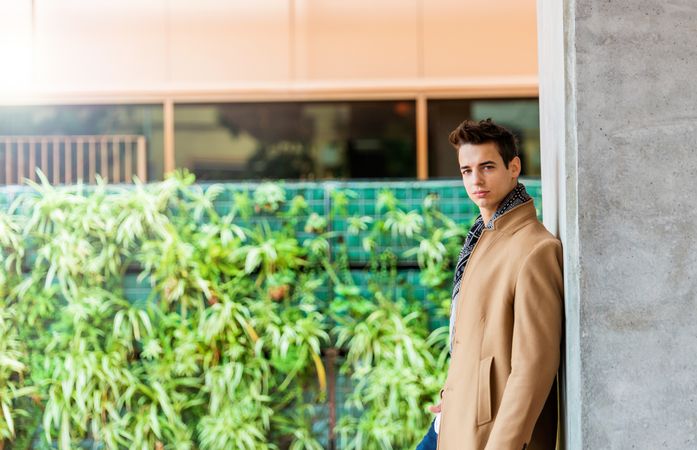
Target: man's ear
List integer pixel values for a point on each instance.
(514, 166)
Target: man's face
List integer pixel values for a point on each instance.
(486, 178)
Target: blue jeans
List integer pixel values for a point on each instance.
(430, 441)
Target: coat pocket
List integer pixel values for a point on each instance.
(484, 391)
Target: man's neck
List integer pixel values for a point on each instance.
(487, 214)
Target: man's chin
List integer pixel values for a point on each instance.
(481, 203)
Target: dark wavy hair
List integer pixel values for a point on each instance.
(482, 132)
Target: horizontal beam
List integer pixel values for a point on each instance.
(484, 87)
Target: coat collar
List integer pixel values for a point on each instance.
(516, 217)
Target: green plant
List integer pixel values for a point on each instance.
(268, 197)
(394, 374)
(227, 349)
(12, 369)
(341, 199)
(315, 224)
(404, 224)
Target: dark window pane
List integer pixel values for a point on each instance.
(80, 120)
(293, 140)
(521, 116)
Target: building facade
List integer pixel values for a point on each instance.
(296, 89)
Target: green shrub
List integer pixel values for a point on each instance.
(228, 348)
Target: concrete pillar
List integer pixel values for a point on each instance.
(618, 106)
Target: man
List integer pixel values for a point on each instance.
(505, 324)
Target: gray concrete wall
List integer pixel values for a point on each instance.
(624, 124)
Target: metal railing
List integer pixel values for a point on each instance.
(69, 159)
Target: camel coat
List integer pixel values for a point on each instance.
(506, 343)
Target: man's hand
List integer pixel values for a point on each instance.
(435, 409)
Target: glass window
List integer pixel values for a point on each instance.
(296, 140)
(81, 120)
(521, 116)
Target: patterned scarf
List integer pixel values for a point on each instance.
(514, 198)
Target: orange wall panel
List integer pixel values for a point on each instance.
(15, 46)
(219, 41)
(186, 47)
(100, 44)
(339, 39)
(471, 38)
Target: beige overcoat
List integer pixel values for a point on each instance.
(506, 342)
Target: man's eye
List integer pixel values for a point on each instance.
(489, 167)
(466, 172)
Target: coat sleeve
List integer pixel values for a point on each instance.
(537, 310)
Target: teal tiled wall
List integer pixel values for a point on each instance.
(451, 196)
(452, 201)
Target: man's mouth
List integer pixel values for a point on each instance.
(480, 193)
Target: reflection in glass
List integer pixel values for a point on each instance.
(293, 140)
(81, 120)
(521, 116)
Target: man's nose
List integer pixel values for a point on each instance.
(477, 177)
